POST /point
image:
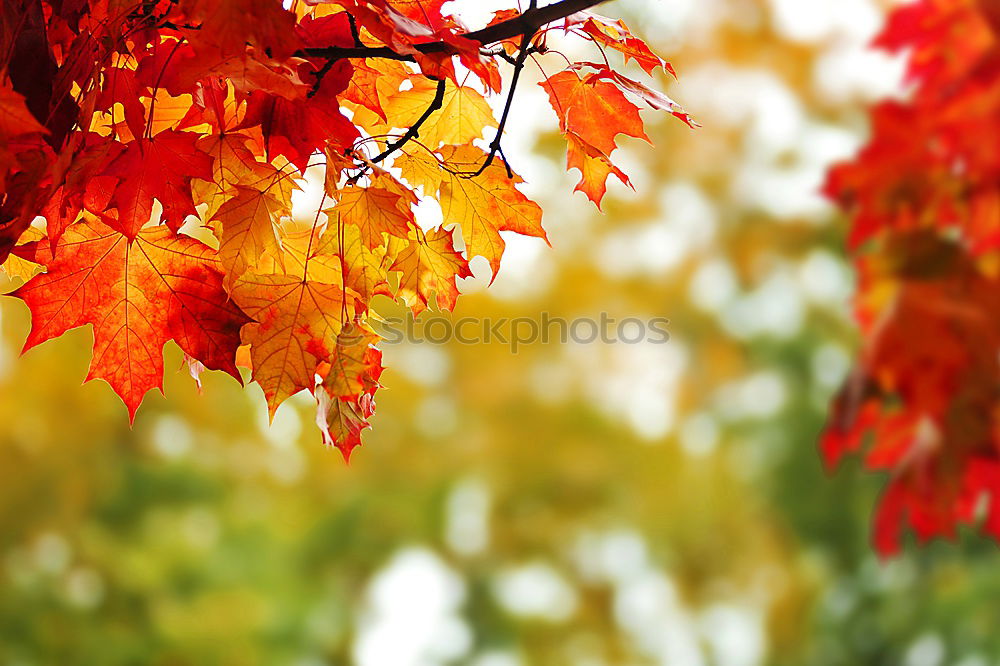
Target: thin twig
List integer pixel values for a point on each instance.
(522, 55)
(414, 130)
(410, 134)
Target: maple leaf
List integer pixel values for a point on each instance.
(214, 111)
(162, 168)
(137, 293)
(463, 116)
(430, 264)
(248, 230)
(236, 166)
(121, 87)
(484, 205)
(346, 396)
(616, 35)
(382, 208)
(921, 401)
(594, 167)
(363, 89)
(21, 269)
(365, 269)
(341, 422)
(15, 118)
(227, 27)
(577, 98)
(923, 390)
(297, 129)
(583, 103)
(351, 362)
(296, 322)
(654, 98)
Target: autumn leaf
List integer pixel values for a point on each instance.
(921, 400)
(21, 269)
(351, 361)
(594, 167)
(227, 27)
(160, 168)
(616, 35)
(341, 422)
(654, 98)
(149, 127)
(121, 87)
(247, 232)
(137, 294)
(583, 105)
(430, 264)
(463, 116)
(235, 166)
(15, 118)
(484, 205)
(296, 129)
(383, 208)
(295, 327)
(364, 269)
(346, 396)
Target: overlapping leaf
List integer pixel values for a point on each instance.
(137, 294)
(922, 401)
(149, 126)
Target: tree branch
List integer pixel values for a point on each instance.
(522, 55)
(411, 133)
(526, 23)
(414, 130)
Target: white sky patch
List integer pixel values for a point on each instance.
(467, 517)
(283, 432)
(817, 21)
(412, 614)
(310, 194)
(535, 590)
(611, 556)
(928, 650)
(853, 70)
(496, 658)
(424, 364)
(699, 434)
(756, 396)
(635, 383)
(686, 224)
(171, 436)
(735, 634)
(830, 364)
(526, 269)
(713, 285)
(825, 280)
(647, 607)
(776, 308)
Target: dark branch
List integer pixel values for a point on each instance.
(522, 55)
(319, 75)
(411, 133)
(414, 130)
(526, 23)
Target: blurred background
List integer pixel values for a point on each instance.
(588, 505)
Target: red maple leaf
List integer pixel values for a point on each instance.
(137, 293)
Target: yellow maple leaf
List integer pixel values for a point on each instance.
(463, 115)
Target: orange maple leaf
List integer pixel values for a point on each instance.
(137, 294)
